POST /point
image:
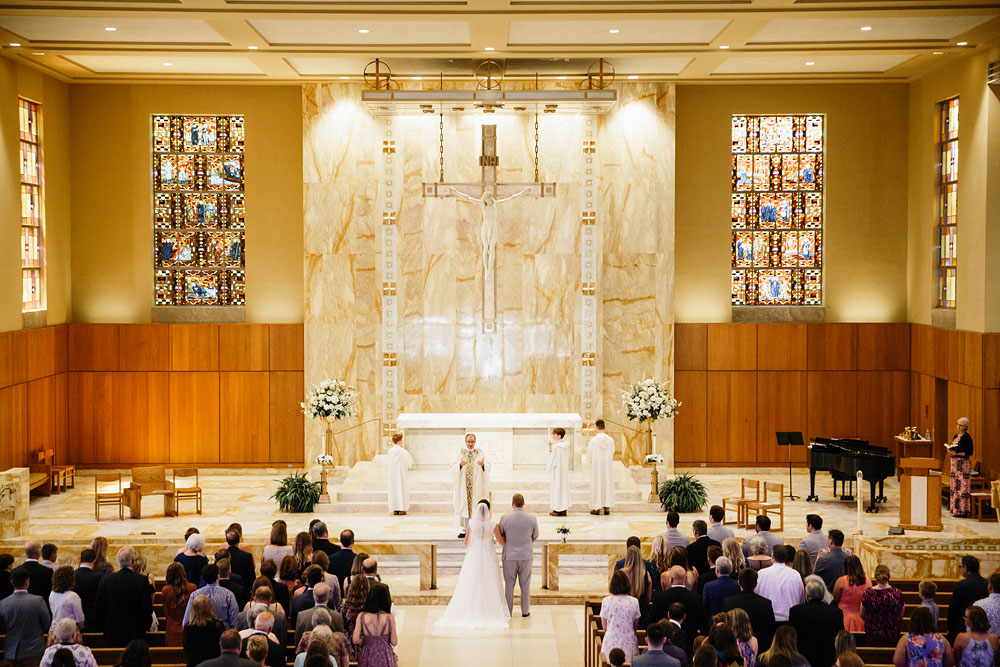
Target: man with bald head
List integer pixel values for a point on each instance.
(696, 618)
(370, 569)
(39, 576)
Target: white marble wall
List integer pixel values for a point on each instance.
(444, 363)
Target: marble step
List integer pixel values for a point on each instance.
(438, 495)
(577, 506)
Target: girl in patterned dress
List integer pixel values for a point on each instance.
(620, 618)
(977, 646)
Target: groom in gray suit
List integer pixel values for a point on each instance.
(519, 530)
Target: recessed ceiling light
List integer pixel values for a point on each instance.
(15, 44)
(614, 31)
(111, 29)
(938, 53)
(963, 43)
(418, 78)
(633, 76)
(488, 48)
(364, 31)
(561, 78)
(865, 28)
(252, 48)
(345, 77)
(168, 64)
(810, 62)
(724, 46)
(38, 53)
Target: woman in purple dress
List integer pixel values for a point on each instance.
(375, 631)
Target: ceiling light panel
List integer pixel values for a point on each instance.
(632, 32)
(281, 32)
(83, 30)
(822, 64)
(115, 64)
(899, 29)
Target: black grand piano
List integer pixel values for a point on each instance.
(843, 458)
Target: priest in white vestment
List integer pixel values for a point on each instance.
(400, 461)
(601, 454)
(470, 478)
(558, 467)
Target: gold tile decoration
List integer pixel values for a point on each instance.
(389, 218)
(588, 289)
(388, 289)
(388, 147)
(588, 217)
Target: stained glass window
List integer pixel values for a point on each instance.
(32, 227)
(777, 210)
(947, 202)
(198, 211)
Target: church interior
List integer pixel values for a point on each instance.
(500, 217)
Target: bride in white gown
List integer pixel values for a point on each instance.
(478, 602)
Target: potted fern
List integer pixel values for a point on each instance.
(296, 493)
(683, 493)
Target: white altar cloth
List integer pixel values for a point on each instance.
(509, 439)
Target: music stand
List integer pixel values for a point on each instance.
(789, 439)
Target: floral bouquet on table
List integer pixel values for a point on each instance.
(649, 400)
(331, 400)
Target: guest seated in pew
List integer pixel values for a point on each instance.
(63, 601)
(654, 655)
(175, 592)
(263, 624)
(202, 631)
(66, 635)
(784, 650)
(193, 557)
(923, 645)
(279, 590)
(977, 646)
(136, 654)
(619, 617)
(229, 652)
(882, 610)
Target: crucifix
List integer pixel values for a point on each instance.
(489, 194)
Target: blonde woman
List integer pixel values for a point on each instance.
(731, 550)
(639, 582)
(660, 554)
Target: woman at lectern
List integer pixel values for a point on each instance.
(961, 470)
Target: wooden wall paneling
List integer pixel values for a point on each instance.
(966, 401)
(32, 355)
(731, 415)
(194, 347)
(781, 347)
(883, 405)
(91, 437)
(922, 349)
(832, 347)
(93, 347)
(884, 346)
(60, 342)
(42, 397)
(286, 344)
(991, 361)
(947, 354)
(690, 435)
(833, 404)
(922, 403)
(244, 424)
(781, 406)
(6, 360)
(243, 347)
(970, 367)
(14, 426)
(194, 417)
(287, 423)
(144, 347)
(991, 431)
(61, 415)
(142, 425)
(732, 347)
(690, 347)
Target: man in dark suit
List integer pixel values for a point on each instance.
(817, 625)
(713, 554)
(971, 588)
(758, 608)
(698, 550)
(229, 644)
(675, 638)
(654, 575)
(370, 569)
(241, 562)
(26, 619)
(306, 600)
(6, 564)
(830, 566)
(723, 587)
(263, 624)
(239, 591)
(39, 576)
(654, 655)
(321, 540)
(695, 619)
(124, 603)
(87, 581)
(304, 621)
(342, 561)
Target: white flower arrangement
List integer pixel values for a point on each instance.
(331, 400)
(649, 400)
(324, 459)
(653, 458)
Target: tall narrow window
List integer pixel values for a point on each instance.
(777, 210)
(947, 202)
(32, 223)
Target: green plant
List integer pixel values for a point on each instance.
(296, 493)
(682, 494)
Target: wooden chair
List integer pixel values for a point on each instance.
(187, 492)
(983, 499)
(62, 475)
(739, 505)
(106, 497)
(768, 507)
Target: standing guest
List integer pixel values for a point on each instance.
(781, 584)
(223, 601)
(63, 658)
(977, 646)
(923, 645)
(558, 467)
(816, 625)
(66, 635)
(370, 569)
(288, 575)
(815, 539)
(697, 551)
(175, 595)
(970, 589)
(758, 608)
(50, 553)
(830, 566)
(101, 564)
(675, 538)
(375, 631)
(784, 650)
(202, 631)
(619, 617)
(757, 556)
(303, 621)
(39, 575)
(303, 597)
(849, 590)
(928, 589)
(302, 550)
(959, 500)
(277, 544)
(731, 550)
(679, 557)
(882, 610)
(25, 618)
(357, 569)
(257, 650)
(674, 644)
(844, 643)
(136, 654)
(229, 652)
(617, 657)
(318, 653)
(659, 557)
(740, 623)
(850, 659)
(342, 561)
(86, 582)
(654, 656)
(193, 557)
(321, 540)
(241, 562)
(124, 603)
(269, 569)
(727, 648)
(828, 596)
(991, 603)
(399, 463)
(705, 578)
(263, 600)
(762, 525)
(238, 590)
(63, 600)
(353, 603)
(6, 565)
(801, 564)
(640, 584)
(716, 528)
(674, 590)
(321, 560)
(601, 454)
(723, 587)
(262, 626)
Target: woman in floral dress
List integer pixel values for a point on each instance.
(923, 646)
(882, 611)
(620, 618)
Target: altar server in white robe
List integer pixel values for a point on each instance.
(400, 461)
(558, 467)
(470, 478)
(601, 454)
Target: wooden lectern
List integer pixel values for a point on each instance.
(920, 495)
